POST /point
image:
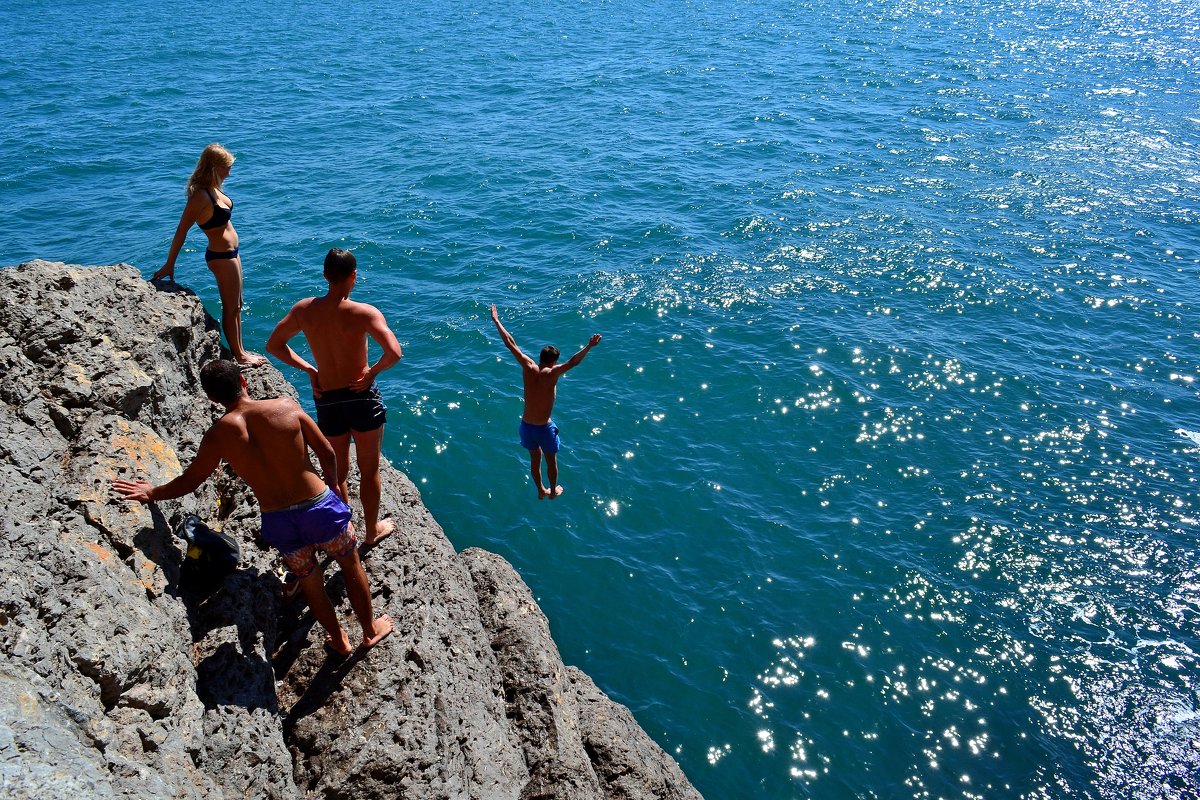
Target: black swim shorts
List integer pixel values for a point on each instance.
(340, 411)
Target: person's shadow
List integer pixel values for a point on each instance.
(327, 679)
(298, 623)
(240, 615)
(240, 609)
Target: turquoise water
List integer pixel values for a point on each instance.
(880, 483)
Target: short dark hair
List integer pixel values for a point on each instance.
(339, 265)
(549, 355)
(222, 381)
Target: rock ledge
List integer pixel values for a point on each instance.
(117, 681)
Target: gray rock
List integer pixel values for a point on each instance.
(630, 765)
(538, 697)
(120, 681)
(42, 751)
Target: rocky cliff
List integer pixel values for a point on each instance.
(119, 680)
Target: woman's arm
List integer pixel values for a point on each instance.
(186, 220)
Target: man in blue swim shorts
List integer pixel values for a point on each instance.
(349, 406)
(538, 432)
(266, 442)
(299, 530)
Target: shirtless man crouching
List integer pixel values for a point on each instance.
(349, 406)
(266, 443)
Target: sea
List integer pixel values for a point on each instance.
(882, 482)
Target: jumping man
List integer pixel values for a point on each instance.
(538, 432)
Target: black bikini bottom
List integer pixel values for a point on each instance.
(224, 255)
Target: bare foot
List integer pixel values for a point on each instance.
(250, 359)
(557, 491)
(382, 627)
(383, 529)
(339, 644)
(541, 493)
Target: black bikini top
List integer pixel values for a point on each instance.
(220, 216)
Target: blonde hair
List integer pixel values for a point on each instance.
(205, 174)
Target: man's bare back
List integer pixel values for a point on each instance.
(266, 443)
(336, 329)
(541, 389)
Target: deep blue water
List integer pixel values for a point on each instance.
(880, 483)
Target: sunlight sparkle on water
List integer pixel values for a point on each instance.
(715, 754)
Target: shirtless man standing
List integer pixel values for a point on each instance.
(349, 406)
(538, 432)
(266, 443)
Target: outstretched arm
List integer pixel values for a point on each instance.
(574, 360)
(277, 345)
(207, 459)
(378, 330)
(511, 343)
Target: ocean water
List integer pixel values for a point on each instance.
(881, 484)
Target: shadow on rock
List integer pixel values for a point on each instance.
(159, 544)
(169, 286)
(295, 623)
(237, 622)
(323, 684)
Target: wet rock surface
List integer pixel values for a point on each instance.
(120, 680)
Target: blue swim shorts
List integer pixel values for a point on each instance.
(340, 411)
(300, 530)
(540, 437)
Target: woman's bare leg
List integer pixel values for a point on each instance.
(229, 284)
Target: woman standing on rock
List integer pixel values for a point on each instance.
(211, 210)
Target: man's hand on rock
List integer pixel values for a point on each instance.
(134, 490)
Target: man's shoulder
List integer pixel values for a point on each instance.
(356, 316)
(278, 403)
(275, 412)
(269, 407)
(298, 310)
(360, 309)
(541, 375)
(228, 424)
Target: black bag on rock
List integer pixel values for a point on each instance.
(211, 555)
